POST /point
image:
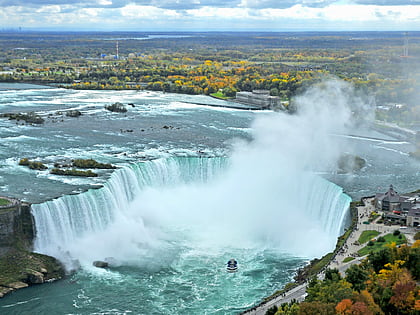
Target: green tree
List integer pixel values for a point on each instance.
(316, 308)
(357, 276)
(380, 258)
(332, 274)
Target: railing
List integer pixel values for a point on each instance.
(12, 203)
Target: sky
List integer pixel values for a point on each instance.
(201, 15)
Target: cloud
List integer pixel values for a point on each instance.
(180, 5)
(212, 14)
(274, 4)
(387, 2)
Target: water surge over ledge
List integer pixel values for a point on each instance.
(265, 195)
(154, 209)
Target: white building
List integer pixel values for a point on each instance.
(259, 98)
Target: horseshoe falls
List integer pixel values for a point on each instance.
(168, 226)
(221, 184)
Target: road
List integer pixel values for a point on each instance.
(349, 249)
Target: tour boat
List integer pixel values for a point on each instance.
(232, 265)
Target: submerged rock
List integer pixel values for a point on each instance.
(349, 163)
(73, 113)
(29, 118)
(116, 107)
(100, 264)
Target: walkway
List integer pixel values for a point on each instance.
(350, 248)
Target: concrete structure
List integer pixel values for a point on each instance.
(413, 216)
(259, 98)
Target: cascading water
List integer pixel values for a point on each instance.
(146, 208)
(171, 224)
(64, 223)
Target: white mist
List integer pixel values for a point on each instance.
(267, 196)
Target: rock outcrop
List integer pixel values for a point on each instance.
(349, 163)
(16, 225)
(100, 264)
(116, 107)
(73, 113)
(19, 267)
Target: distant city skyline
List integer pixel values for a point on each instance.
(211, 15)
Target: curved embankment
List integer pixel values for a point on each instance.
(19, 267)
(347, 246)
(297, 290)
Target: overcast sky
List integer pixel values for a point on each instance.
(197, 15)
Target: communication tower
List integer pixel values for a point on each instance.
(117, 50)
(405, 47)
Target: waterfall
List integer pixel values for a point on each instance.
(60, 222)
(146, 208)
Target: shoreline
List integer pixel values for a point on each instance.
(349, 249)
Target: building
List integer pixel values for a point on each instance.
(389, 201)
(259, 98)
(413, 216)
(399, 209)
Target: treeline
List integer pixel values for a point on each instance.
(206, 63)
(384, 283)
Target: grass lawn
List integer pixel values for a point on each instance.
(4, 202)
(220, 95)
(347, 259)
(389, 238)
(366, 236)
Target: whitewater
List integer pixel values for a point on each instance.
(257, 187)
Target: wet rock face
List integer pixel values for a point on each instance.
(15, 225)
(36, 277)
(19, 267)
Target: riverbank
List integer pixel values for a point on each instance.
(340, 260)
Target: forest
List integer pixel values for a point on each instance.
(382, 66)
(384, 283)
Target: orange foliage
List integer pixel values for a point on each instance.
(344, 306)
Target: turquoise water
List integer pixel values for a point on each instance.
(134, 290)
(215, 184)
(168, 238)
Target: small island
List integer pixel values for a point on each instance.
(69, 169)
(29, 118)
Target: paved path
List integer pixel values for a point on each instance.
(350, 248)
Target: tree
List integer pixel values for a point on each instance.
(332, 274)
(316, 308)
(404, 296)
(367, 298)
(272, 310)
(329, 291)
(343, 306)
(413, 262)
(357, 276)
(380, 258)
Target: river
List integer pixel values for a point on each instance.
(195, 186)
